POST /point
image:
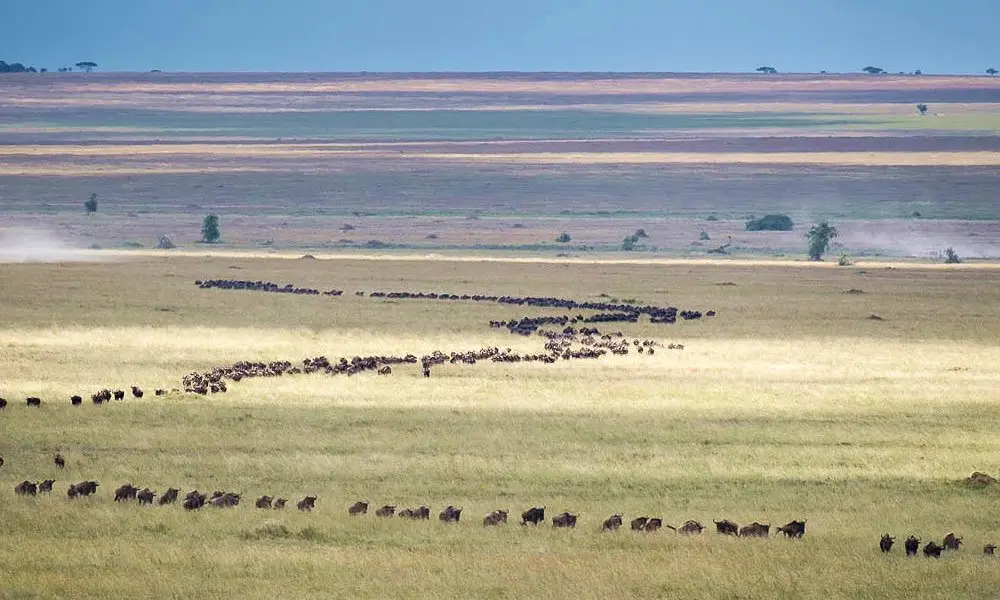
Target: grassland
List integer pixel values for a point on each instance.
(790, 403)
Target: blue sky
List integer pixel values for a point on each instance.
(937, 36)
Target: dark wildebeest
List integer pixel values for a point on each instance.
(689, 527)
(534, 515)
(427, 372)
(386, 370)
(450, 514)
(3, 403)
(33, 401)
(126, 492)
(885, 544)
(84, 488)
(386, 511)
(26, 488)
(932, 550)
(793, 529)
(639, 523)
(1, 461)
(46, 486)
(279, 503)
(75, 400)
(726, 527)
(652, 524)
(59, 460)
(358, 508)
(119, 395)
(911, 544)
(564, 520)
(612, 523)
(988, 549)
(307, 503)
(169, 497)
(755, 529)
(264, 502)
(194, 500)
(136, 392)
(161, 392)
(495, 518)
(146, 496)
(226, 500)
(951, 542)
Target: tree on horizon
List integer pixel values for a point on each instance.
(86, 65)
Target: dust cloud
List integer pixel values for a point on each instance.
(23, 245)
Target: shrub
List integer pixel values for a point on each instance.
(432, 236)
(165, 243)
(91, 204)
(951, 257)
(770, 223)
(376, 244)
(844, 261)
(563, 238)
(347, 227)
(712, 218)
(629, 243)
(819, 237)
(131, 244)
(210, 230)
(703, 236)
(640, 233)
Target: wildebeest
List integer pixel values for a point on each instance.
(386, 511)
(84, 488)
(194, 500)
(534, 515)
(169, 497)
(639, 523)
(264, 502)
(885, 544)
(33, 401)
(689, 527)
(932, 550)
(652, 524)
(564, 520)
(755, 529)
(450, 514)
(386, 370)
(225, 500)
(1, 461)
(26, 488)
(612, 523)
(495, 518)
(279, 503)
(307, 503)
(46, 486)
(75, 400)
(161, 392)
(358, 508)
(988, 549)
(59, 460)
(136, 392)
(793, 529)
(126, 492)
(3, 403)
(145, 496)
(911, 544)
(726, 527)
(101, 396)
(119, 395)
(951, 542)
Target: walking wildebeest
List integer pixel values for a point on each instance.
(932, 550)
(534, 515)
(358, 508)
(495, 518)
(33, 401)
(652, 524)
(951, 542)
(911, 544)
(264, 502)
(3, 403)
(145, 496)
(126, 492)
(119, 395)
(689, 527)
(75, 400)
(564, 520)
(26, 488)
(1, 461)
(386, 370)
(885, 544)
(194, 500)
(726, 527)
(450, 514)
(279, 503)
(793, 529)
(755, 529)
(612, 523)
(136, 392)
(161, 392)
(84, 488)
(169, 497)
(307, 503)
(386, 511)
(639, 523)
(988, 549)
(46, 486)
(59, 460)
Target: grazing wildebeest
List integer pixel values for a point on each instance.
(279, 503)
(76, 400)
(264, 502)
(146, 496)
(386, 370)
(450, 514)
(951, 542)
(793, 529)
(612, 523)
(885, 544)
(46, 486)
(307, 503)
(988, 549)
(169, 497)
(225, 500)
(911, 544)
(136, 392)
(161, 392)
(755, 529)
(726, 527)
(534, 515)
(386, 511)
(358, 508)
(564, 520)
(639, 523)
(126, 492)
(495, 518)
(119, 395)
(3, 403)
(26, 488)
(932, 550)
(689, 527)
(194, 500)
(652, 524)
(33, 401)
(59, 460)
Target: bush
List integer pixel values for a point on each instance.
(640, 233)
(91, 204)
(131, 244)
(347, 227)
(770, 223)
(210, 230)
(712, 218)
(563, 238)
(432, 236)
(377, 244)
(629, 243)
(951, 257)
(165, 243)
(844, 261)
(703, 236)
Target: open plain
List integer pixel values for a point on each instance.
(858, 398)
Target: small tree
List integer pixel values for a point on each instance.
(563, 238)
(951, 257)
(770, 223)
(991, 71)
(819, 237)
(86, 65)
(210, 229)
(767, 70)
(91, 204)
(873, 70)
(629, 243)
(640, 233)
(922, 109)
(703, 236)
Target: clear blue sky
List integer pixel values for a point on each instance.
(939, 36)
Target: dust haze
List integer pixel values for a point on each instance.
(24, 245)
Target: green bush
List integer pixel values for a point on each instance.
(770, 223)
(951, 257)
(563, 238)
(703, 236)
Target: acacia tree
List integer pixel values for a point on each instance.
(210, 229)
(91, 204)
(819, 237)
(86, 65)
(991, 71)
(873, 70)
(922, 109)
(767, 70)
